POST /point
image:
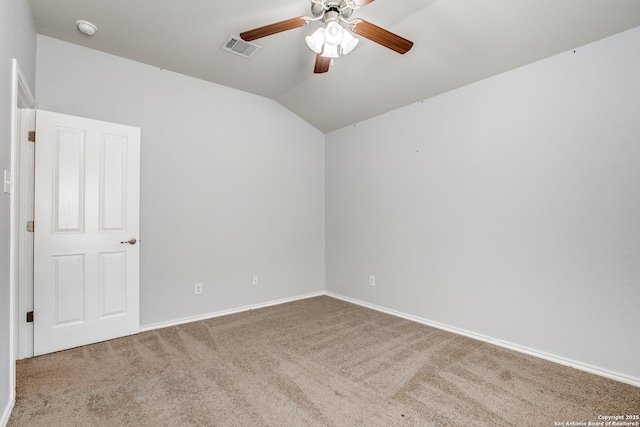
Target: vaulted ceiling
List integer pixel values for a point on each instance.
(457, 42)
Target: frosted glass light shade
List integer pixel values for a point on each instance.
(316, 40)
(330, 51)
(348, 42)
(333, 33)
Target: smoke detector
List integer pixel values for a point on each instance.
(86, 27)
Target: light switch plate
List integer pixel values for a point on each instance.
(8, 182)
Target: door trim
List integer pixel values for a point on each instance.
(22, 111)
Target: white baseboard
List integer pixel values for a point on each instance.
(531, 352)
(227, 312)
(4, 420)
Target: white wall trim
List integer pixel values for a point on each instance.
(227, 312)
(22, 119)
(21, 98)
(4, 420)
(531, 352)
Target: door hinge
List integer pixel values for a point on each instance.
(31, 136)
(31, 226)
(30, 317)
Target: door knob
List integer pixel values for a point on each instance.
(131, 241)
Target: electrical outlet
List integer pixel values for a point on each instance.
(255, 280)
(198, 288)
(372, 280)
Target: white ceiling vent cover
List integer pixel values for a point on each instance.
(240, 47)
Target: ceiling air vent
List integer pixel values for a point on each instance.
(240, 47)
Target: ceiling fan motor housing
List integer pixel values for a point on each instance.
(344, 8)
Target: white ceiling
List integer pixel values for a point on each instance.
(457, 42)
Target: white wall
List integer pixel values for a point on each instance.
(232, 184)
(509, 208)
(17, 40)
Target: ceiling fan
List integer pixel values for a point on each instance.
(332, 39)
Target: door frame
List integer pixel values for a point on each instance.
(22, 120)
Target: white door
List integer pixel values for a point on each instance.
(86, 280)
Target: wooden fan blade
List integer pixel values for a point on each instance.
(278, 27)
(322, 64)
(381, 36)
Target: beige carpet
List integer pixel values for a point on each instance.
(316, 362)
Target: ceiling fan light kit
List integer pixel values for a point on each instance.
(332, 39)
